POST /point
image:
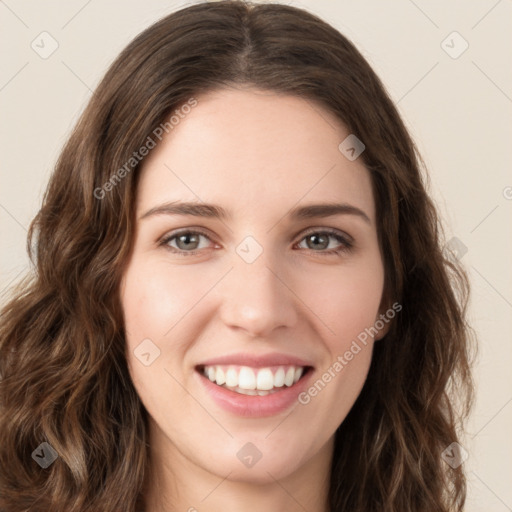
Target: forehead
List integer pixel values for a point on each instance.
(256, 152)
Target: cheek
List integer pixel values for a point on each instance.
(344, 298)
(348, 307)
(152, 305)
(155, 299)
(347, 301)
(162, 305)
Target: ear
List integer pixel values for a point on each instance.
(383, 324)
(384, 318)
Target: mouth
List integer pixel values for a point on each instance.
(252, 381)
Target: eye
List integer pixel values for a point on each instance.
(320, 240)
(185, 240)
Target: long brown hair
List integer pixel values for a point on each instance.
(64, 377)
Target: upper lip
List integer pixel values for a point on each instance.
(256, 361)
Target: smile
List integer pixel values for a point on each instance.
(253, 381)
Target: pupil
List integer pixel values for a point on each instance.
(186, 238)
(316, 238)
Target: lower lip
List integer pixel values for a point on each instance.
(255, 406)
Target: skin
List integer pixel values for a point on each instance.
(257, 154)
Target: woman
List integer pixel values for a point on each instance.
(308, 351)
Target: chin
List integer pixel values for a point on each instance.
(252, 462)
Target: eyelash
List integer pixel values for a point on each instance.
(346, 244)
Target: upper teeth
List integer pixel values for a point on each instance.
(245, 377)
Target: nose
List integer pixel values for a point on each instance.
(257, 298)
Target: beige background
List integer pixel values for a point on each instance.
(458, 111)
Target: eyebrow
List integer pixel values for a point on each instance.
(217, 212)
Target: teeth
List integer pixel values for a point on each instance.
(219, 376)
(290, 375)
(246, 391)
(231, 378)
(265, 379)
(246, 378)
(253, 381)
(279, 378)
(252, 392)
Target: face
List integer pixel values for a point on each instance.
(269, 299)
